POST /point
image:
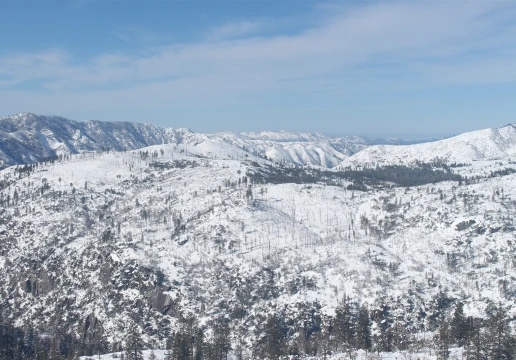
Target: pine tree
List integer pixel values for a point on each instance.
(134, 345)
(343, 331)
(363, 339)
(221, 339)
(199, 344)
(274, 339)
(476, 348)
(54, 351)
(182, 348)
(442, 340)
(188, 341)
(501, 343)
(459, 326)
(29, 342)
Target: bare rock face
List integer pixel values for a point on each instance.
(40, 284)
(91, 327)
(162, 302)
(36, 280)
(106, 272)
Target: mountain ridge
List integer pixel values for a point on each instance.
(485, 144)
(27, 138)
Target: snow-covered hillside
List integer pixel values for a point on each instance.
(103, 241)
(361, 355)
(488, 144)
(302, 148)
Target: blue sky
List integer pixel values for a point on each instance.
(415, 69)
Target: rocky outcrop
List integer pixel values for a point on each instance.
(36, 281)
(91, 327)
(161, 301)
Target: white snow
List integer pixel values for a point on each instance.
(488, 144)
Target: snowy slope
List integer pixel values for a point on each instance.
(361, 355)
(302, 148)
(159, 354)
(485, 144)
(170, 230)
(103, 240)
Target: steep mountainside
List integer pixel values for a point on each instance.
(488, 144)
(27, 138)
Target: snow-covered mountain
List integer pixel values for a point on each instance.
(102, 241)
(204, 227)
(27, 138)
(303, 148)
(487, 144)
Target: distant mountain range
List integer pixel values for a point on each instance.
(303, 148)
(27, 138)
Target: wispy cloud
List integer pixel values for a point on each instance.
(21, 67)
(444, 42)
(233, 30)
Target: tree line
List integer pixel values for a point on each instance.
(360, 178)
(353, 327)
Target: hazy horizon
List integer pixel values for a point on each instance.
(414, 137)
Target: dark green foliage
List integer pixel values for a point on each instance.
(477, 346)
(273, 343)
(221, 339)
(442, 341)
(182, 347)
(175, 164)
(199, 344)
(362, 179)
(47, 344)
(134, 345)
(344, 326)
(504, 172)
(182, 342)
(363, 339)
(502, 343)
(460, 331)
(384, 320)
(278, 335)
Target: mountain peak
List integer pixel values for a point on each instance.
(485, 144)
